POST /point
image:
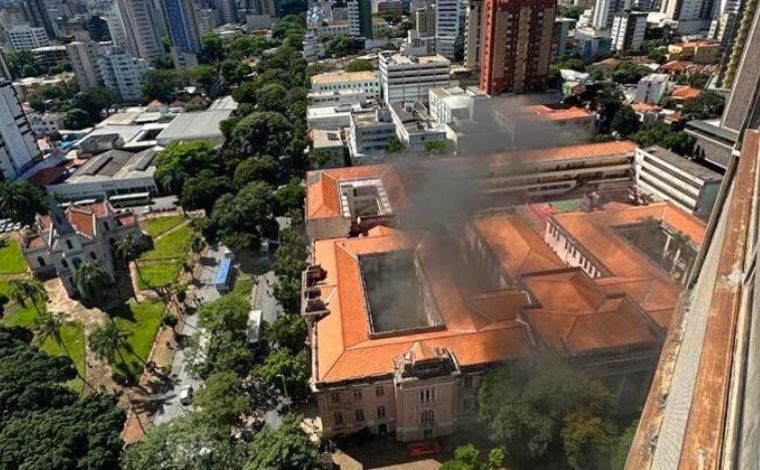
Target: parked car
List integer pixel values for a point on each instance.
(186, 395)
(422, 448)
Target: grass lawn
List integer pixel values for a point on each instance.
(568, 205)
(173, 245)
(11, 259)
(141, 320)
(159, 225)
(72, 335)
(158, 274)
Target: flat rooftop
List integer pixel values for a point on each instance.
(115, 164)
(683, 163)
(401, 59)
(193, 126)
(334, 77)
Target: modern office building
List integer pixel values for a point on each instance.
(26, 38)
(473, 34)
(628, 30)
(425, 21)
(37, 12)
(83, 56)
(49, 56)
(182, 25)
(517, 45)
(369, 133)
(562, 28)
(605, 11)
(116, 27)
(141, 21)
(447, 18)
(670, 177)
(409, 78)
(360, 18)
(18, 146)
(123, 73)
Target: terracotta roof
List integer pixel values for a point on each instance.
(633, 273)
(676, 66)
(82, 216)
(519, 248)
(685, 92)
(645, 107)
(479, 333)
(557, 112)
(618, 147)
(34, 242)
(47, 175)
(701, 43)
(323, 188)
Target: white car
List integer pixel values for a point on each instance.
(186, 395)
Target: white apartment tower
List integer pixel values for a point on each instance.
(446, 26)
(142, 25)
(605, 10)
(83, 56)
(18, 147)
(122, 72)
(26, 38)
(628, 30)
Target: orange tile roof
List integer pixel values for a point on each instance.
(516, 245)
(34, 242)
(323, 188)
(685, 92)
(633, 273)
(617, 147)
(557, 112)
(645, 107)
(700, 43)
(481, 332)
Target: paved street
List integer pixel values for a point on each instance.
(264, 300)
(180, 373)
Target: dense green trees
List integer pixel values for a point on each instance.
(289, 373)
(20, 201)
(289, 263)
(625, 121)
(76, 119)
(182, 160)
(222, 399)
(548, 411)
(467, 457)
(708, 105)
(245, 219)
(42, 423)
(283, 448)
(663, 135)
(359, 65)
(91, 280)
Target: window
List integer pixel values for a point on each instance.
(69, 245)
(77, 262)
(380, 412)
(359, 414)
(427, 416)
(65, 263)
(41, 261)
(468, 382)
(357, 394)
(427, 395)
(337, 418)
(379, 391)
(335, 397)
(93, 255)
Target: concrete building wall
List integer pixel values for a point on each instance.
(18, 147)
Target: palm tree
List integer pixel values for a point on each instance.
(106, 342)
(47, 325)
(126, 248)
(91, 279)
(23, 290)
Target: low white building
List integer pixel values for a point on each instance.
(351, 96)
(652, 88)
(313, 49)
(202, 125)
(365, 81)
(329, 116)
(414, 126)
(109, 174)
(369, 134)
(407, 78)
(671, 177)
(46, 123)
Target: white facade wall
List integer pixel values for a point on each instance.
(84, 60)
(122, 72)
(406, 79)
(446, 26)
(628, 31)
(18, 146)
(26, 38)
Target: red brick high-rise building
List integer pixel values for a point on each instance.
(517, 43)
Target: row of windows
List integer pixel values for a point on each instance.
(358, 415)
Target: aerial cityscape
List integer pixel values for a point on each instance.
(402, 234)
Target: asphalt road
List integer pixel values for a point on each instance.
(180, 372)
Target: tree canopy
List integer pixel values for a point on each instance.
(42, 423)
(20, 201)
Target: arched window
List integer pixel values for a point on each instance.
(65, 263)
(77, 262)
(41, 261)
(427, 416)
(69, 245)
(380, 412)
(93, 255)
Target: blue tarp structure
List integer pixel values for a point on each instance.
(223, 275)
